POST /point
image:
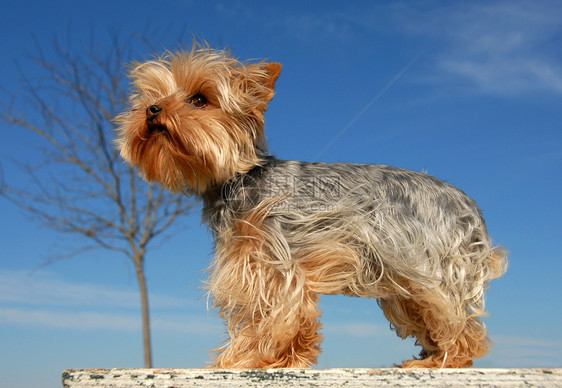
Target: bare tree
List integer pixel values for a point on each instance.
(78, 183)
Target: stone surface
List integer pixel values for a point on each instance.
(180, 378)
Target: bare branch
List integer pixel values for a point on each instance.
(77, 183)
(78, 186)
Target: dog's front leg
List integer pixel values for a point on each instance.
(271, 315)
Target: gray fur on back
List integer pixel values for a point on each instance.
(402, 222)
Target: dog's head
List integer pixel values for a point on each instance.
(196, 118)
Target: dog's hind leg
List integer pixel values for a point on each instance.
(448, 339)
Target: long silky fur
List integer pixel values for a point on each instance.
(287, 231)
(290, 229)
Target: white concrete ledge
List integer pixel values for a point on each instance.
(180, 378)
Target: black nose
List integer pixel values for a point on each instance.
(153, 111)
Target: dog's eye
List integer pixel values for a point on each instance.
(198, 101)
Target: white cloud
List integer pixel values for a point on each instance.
(527, 352)
(46, 288)
(503, 48)
(69, 319)
(87, 320)
(506, 48)
(46, 300)
(49, 289)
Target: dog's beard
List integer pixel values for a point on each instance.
(165, 157)
(189, 154)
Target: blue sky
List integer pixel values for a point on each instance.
(478, 105)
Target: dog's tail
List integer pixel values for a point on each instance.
(492, 265)
(497, 263)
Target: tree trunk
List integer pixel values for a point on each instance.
(145, 314)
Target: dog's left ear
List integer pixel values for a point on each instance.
(273, 71)
(264, 75)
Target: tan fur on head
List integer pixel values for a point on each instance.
(190, 147)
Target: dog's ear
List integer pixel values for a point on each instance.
(273, 72)
(263, 76)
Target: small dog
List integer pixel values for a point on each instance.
(287, 231)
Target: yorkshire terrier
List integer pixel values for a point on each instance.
(287, 231)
